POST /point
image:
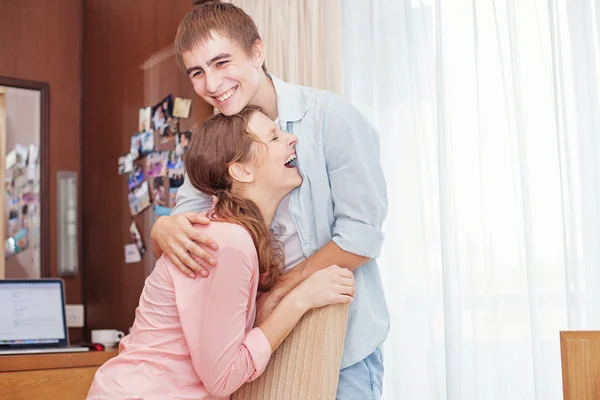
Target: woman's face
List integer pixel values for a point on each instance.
(273, 171)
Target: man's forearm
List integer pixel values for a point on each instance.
(327, 255)
(156, 250)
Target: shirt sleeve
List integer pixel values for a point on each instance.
(189, 199)
(214, 315)
(358, 187)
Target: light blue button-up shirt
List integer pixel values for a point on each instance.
(342, 198)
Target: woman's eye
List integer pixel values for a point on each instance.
(275, 138)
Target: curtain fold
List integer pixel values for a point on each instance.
(302, 39)
(489, 115)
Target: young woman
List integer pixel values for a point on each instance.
(194, 338)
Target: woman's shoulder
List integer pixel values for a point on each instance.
(230, 237)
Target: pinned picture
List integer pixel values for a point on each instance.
(173, 196)
(182, 107)
(175, 171)
(183, 141)
(22, 155)
(147, 139)
(163, 121)
(144, 119)
(160, 211)
(17, 243)
(139, 199)
(132, 254)
(11, 159)
(142, 194)
(125, 164)
(137, 238)
(159, 191)
(136, 177)
(156, 164)
(30, 193)
(162, 113)
(136, 146)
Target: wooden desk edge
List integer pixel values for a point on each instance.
(33, 362)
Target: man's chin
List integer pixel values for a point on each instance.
(229, 110)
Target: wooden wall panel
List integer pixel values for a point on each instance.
(123, 70)
(41, 40)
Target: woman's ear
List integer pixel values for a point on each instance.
(258, 53)
(241, 173)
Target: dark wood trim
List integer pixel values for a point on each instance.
(44, 90)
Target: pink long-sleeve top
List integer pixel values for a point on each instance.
(192, 338)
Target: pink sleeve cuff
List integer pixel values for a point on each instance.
(260, 349)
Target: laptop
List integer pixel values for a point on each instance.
(33, 318)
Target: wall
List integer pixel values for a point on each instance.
(127, 64)
(41, 40)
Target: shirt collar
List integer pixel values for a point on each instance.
(291, 102)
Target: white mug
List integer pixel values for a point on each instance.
(107, 337)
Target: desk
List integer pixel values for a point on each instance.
(65, 376)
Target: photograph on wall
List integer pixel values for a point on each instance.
(132, 254)
(160, 193)
(175, 171)
(136, 146)
(139, 199)
(17, 243)
(136, 177)
(147, 139)
(142, 194)
(156, 164)
(137, 238)
(160, 211)
(182, 142)
(173, 196)
(163, 121)
(144, 119)
(125, 164)
(182, 107)
(10, 160)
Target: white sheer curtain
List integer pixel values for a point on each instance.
(302, 39)
(489, 117)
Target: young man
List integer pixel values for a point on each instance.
(334, 217)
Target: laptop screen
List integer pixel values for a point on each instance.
(32, 313)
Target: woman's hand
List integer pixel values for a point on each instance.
(331, 285)
(185, 246)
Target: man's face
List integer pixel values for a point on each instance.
(224, 74)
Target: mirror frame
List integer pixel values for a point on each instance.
(44, 161)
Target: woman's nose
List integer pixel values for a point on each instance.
(292, 139)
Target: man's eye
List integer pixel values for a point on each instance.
(221, 63)
(196, 73)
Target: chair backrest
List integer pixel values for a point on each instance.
(580, 358)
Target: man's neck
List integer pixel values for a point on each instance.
(266, 97)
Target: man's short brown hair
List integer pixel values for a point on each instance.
(212, 17)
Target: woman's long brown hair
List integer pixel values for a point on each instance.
(215, 145)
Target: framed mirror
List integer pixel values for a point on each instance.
(24, 221)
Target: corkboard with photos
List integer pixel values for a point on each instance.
(154, 164)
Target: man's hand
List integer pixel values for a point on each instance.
(187, 248)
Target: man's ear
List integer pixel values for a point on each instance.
(258, 53)
(241, 173)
